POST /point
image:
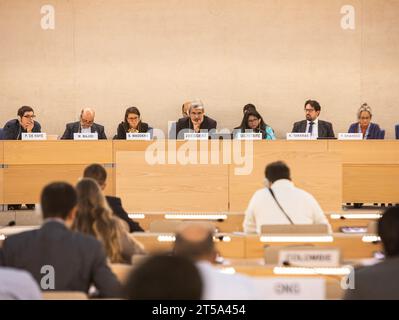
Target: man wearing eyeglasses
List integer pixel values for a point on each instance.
(86, 124)
(317, 128)
(25, 123)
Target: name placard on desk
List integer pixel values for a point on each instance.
(85, 136)
(310, 257)
(350, 136)
(137, 136)
(34, 136)
(249, 136)
(299, 136)
(196, 136)
(291, 288)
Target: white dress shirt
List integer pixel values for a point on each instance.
(18, 285)
(315, 128)
(221, 286)
(299, 205)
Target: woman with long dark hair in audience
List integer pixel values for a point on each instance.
(94, 217)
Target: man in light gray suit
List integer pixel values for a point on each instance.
(380, 281)
(58, 258)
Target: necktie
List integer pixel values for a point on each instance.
(310, 130)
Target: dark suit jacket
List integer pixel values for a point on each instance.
(12, 130)
(325, 128)
(116, 206)
(78, 260)
(376, 282)
(75, 127)
(121, 131)
(185, 123)
(374, 130)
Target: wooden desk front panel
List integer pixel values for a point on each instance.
(168, 187)
(312, 169)
(371, 183)
(24, 183)
(57, 152)
(366, 151)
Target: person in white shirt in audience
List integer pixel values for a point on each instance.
(195, 241)
(18, 285)
(280, 202)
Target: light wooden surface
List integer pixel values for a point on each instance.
(168, 187)
(362, 171)
(312, 169)
(24, 183)
(371, 183)
(366, 152)
(57, 152)
(370, 170)
(351, 246)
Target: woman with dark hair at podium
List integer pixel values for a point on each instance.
(253, 122)
(131, 124)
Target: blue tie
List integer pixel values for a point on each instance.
(310, 130)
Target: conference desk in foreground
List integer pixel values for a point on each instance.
(253, 246)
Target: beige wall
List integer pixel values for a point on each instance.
(155, 54)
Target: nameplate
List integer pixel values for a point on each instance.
(138, 136)
(196, 136)
(291, 288)
(350, 136)
(85, 136)
(249, 136)
(299, 136)
(34, 136)
(309, 257)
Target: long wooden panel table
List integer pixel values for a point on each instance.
(30, 165)
(335, 172)
(370, 170)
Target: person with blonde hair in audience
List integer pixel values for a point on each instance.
(195, 241)
(58, 258)
(94, 217)
(97, 172)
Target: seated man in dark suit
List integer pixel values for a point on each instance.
(317, 128)
(13, 129)
(25, 123)
(196, 122)
(380, 281)
(58, 258)
(85, 125)
(98, 173)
